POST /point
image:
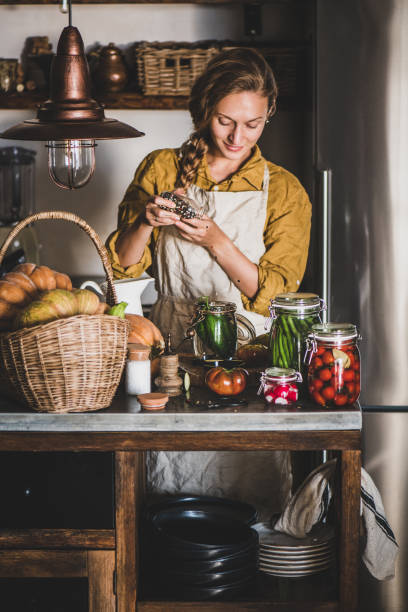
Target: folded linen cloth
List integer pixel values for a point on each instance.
(381, 548)
(309, 505)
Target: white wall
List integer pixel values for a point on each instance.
(65, 247)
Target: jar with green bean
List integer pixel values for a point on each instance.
(293, 315)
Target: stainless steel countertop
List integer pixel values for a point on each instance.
(125, 414)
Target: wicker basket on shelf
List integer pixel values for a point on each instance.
(171, 68)
(287, 63)
(68, 365)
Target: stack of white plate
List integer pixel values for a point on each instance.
(289, 557)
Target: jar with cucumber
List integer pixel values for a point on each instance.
(216, 326)
(293, 315)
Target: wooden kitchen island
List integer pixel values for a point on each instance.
(110, 558)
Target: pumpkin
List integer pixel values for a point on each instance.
(25, 282)
(144, 331)
(102, 308)
(44, 278)
(64, 301)
(253, 354)
(25, 268)
(7, 311)
(63, 281)
(88, 301)
(36, 313)
(13, 293)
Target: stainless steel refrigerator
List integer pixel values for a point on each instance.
(361, 158)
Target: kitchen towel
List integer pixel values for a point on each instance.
(309, 505)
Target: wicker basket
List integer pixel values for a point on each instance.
(287, 63)
(68, 365)
(169, 68)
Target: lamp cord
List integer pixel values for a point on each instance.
(69, 13)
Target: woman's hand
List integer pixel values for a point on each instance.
(204, 232)
(156, 216)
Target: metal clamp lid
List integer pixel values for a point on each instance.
(299, 303)
(281, 375)
(330, 333)
(333, 332)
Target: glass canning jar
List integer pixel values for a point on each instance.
(334, 364)
(279, 385)
(293, 315)
(218, 328)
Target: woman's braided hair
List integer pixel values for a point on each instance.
(231, 71)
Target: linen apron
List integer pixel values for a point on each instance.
(185, 271)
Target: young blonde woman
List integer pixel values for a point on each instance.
(250, 244)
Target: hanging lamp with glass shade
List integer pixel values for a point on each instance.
(70, 121)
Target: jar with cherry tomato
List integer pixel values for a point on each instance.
(279, 385)
(334, 364)
(293, 315)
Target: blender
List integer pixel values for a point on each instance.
(17, 170)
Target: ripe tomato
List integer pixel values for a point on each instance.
(316, 363)
(351, 387)
(226, 382)
(328, 393)
(318, 384)
(356, 365)
(325, 374)
(348, 375)
(328, 358)
(318, 398)
(320, 350)
(340, 399)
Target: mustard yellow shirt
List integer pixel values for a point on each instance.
(286, 230)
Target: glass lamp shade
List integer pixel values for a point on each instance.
(71, 163)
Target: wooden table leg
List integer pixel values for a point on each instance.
(101, 567)
(128, 487)
(349, 532)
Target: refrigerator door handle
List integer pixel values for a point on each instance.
(326, 199)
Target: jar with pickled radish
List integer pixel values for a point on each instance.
(279, 385)
(334, 364)
(293, 315)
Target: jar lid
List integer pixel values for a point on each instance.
(138, 352)
(216, 306)
(153, 401)
(281, 373)
(296, 301)
(333, 331)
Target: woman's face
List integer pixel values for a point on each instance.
(237, 124)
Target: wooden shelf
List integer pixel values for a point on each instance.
(126, 101)
(316, 593)
(123, 100)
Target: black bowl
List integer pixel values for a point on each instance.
(220, 564)
(210, 579)
(202, 593)
(196, 531)
(213, 506)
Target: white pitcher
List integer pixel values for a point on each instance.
(127, 290)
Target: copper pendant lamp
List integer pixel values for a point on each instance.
(70, 121)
